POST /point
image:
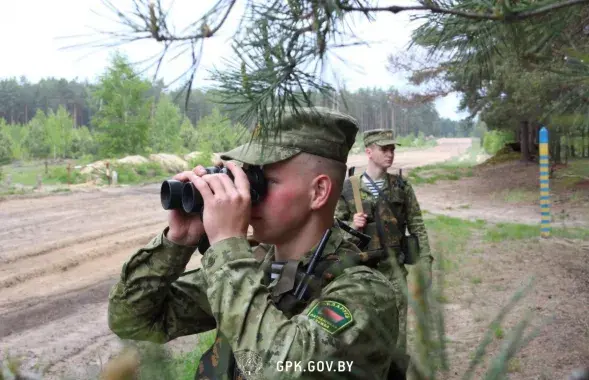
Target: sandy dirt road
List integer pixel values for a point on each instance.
(412, 157)
(60, 254)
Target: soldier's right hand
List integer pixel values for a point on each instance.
(359, 221)
(185, 229)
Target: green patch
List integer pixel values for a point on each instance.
(513, 231)
(332, 316)
(444, 171)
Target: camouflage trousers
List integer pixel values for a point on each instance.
(397, 275)
(402, 306)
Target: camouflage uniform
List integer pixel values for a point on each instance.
(404, 212)
(351, 316)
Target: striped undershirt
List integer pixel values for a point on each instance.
(373, 190)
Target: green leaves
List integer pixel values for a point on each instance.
(122, 117)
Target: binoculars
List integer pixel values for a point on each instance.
(184, 195)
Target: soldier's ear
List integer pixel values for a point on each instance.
(320, 191)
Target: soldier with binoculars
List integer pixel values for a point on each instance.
(303, 294)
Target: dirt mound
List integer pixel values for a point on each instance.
(505, 154)
(98, 166)
(169, 161)
(133, 160)
(191, 155)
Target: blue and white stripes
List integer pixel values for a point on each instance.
(544, 184)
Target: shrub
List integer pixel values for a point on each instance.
(494, 140)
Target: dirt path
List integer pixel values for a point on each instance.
(411, 158)
(61, 253)
(60, 256)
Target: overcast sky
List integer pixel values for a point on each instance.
(33, 34)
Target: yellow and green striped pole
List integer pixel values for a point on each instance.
(544, 184)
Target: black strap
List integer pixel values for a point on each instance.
(374, 184)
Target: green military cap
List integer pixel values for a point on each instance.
(382, 137)
(315, 130)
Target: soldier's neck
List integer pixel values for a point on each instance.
(375, 172)
(303, 240)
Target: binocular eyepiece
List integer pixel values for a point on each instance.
(184, 195)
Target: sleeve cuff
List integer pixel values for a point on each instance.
(176, 256)
(224, 251)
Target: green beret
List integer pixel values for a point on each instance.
(315, 130)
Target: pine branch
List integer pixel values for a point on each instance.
(490, 14)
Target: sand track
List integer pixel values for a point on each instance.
(60, 255)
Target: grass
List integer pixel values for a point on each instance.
(439, 172)
(186, 364)
(576, 171)
(450, 170)
(518, 195)
(514, 231)
(24, 176)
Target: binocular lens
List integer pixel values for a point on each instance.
(171, 194)
(191, 199)
(184, 195)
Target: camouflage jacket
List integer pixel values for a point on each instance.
(404, 205)
(354, 318)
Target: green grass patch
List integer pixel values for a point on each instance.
(518, 196)
(449, 239)
(445, 171)
(498, 332)
(576, 171)
(26, 172)
(140, 173)
(187, 364)
(476, 280)
(450, 170)
(514, 231)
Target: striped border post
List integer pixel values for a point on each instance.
(544, 184)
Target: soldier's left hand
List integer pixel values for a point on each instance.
(227, 204)
(429, 275)
(426, 270)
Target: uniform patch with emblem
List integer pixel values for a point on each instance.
(332, 316)
(249, 365)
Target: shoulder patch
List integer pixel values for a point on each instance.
(332, 316)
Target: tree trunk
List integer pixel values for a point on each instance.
(556, 138)
(525, 140)
(567, 149)
(532, 132)
(584, 153)
(75, 116)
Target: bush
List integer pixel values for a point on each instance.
(130, 174)
(494, 140)
(59, 174)
(5, 147)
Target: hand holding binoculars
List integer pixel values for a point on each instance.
(184, 195)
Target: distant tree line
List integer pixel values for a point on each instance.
(123, 113)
